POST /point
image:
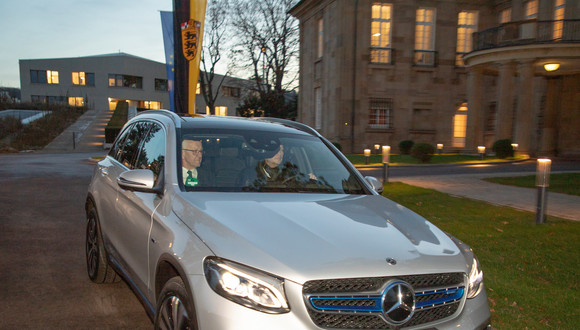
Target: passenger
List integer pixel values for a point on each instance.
(191, 157)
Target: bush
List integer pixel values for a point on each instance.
(423, 152)
(9, 126)
(118, 120)
(405, 146)
(503, 148)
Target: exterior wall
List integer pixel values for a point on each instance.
(98, 95)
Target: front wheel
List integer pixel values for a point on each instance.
(98, 268)
(174, 310)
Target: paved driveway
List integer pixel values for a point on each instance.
(43, 281)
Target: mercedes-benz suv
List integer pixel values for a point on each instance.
(235, 223)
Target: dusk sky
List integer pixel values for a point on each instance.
(34, 29)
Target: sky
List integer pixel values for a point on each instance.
(36, 29)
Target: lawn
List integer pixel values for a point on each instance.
(531, 271)
(395, 159)
(565, 183)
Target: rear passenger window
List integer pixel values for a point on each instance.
(128, 154)
(152, 154)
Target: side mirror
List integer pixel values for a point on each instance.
(375, 183)
(138, 180)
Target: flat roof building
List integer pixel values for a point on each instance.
(101, 81)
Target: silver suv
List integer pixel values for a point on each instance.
(231, 223)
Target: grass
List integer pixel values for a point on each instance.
(359, 159)
(565, 183)
(531, 271)
(40, 132)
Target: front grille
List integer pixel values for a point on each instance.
(356, 303)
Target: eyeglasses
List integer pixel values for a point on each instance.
(195, 152)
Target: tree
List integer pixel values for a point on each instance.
(213, 46)
(267, 45)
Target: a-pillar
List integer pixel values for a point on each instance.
(505, 108)
(474, 136)
(524, 113)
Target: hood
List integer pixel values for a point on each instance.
(315, 236)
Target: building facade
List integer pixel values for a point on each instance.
(379, 72)
(103, 80)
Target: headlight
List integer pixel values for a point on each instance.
(475, 279)
(246, 286)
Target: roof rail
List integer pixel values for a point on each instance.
(291, 123)
(175, 117)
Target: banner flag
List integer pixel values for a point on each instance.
(167, 29)
(188, 24)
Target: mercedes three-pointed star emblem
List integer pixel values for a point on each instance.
(398, 302)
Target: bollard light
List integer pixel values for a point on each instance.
(515, 146)
(377, 147)
(439, 148)
(367, 153)
(481, 151)
(543, 172)
(386, 159)
(542, 182)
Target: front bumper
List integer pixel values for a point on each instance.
(215, 312)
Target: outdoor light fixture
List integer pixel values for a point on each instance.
(386, 156)
(481, 151)
(551, 66)
(542, 182)
(377, 147)
(367, 153)
(439, 148)
(515, 146)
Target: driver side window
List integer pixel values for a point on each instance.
(152, 152)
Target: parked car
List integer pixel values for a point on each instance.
(306, 244)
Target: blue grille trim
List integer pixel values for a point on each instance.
(451, 295)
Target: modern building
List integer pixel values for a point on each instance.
(101, 81)
(462, 73)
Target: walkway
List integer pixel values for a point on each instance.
(473, 187)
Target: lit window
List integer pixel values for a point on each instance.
(52, 77)
(466, 26)
(380, 113)
(119, 80)
(76, 101)
(320, 45)
(531, 9)
(381, 33)
(151, 105)
(221, 111)
(425, 37)
(460, 126)
(505, 16)
(198, 89)
(559, 6)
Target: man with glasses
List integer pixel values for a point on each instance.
(191, 156)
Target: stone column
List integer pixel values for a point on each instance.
(549, 133)
(524, 111)
(474, 136)
(505, 111)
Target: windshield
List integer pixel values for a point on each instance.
(253, 161)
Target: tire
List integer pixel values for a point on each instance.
(98, 268)
(174, 308)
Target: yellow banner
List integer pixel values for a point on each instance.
(192, 36)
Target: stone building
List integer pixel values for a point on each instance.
(461, 73)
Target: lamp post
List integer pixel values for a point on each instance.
(542, 182)
(367, 153)
(439, 148)
(481, 151)
(386, 156)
